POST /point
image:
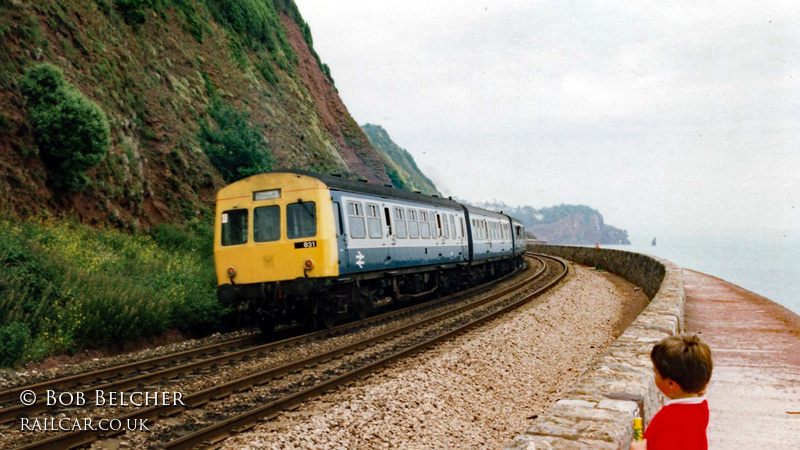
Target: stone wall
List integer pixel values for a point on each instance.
(598, 410)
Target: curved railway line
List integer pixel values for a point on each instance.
(262, 393)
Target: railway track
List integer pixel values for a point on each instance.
(170, 366)
(284, 385)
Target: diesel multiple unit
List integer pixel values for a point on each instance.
(295, 246)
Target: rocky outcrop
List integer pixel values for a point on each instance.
(580, 229)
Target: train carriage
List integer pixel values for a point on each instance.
(295, 246)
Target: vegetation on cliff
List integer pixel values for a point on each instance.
(71, 131)
(170, 95)
(400, 165)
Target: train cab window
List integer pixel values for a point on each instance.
(301, 220)
(413, 224)
(267, 223)
(355, 219)
(374, 221)
(424, 227)
(400, 223)
(234, 227)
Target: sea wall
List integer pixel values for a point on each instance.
(598, 410)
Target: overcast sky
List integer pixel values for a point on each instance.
(670, 118)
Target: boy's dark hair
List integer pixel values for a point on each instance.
(685, 360)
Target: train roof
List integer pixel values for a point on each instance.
(363, 187)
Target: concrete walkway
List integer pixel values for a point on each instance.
(754, 395)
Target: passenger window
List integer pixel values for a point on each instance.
(461, 220)
(267, 223)
(374, 221)
(234, 227)
(413, 224)
(424, 227)
(452, 226)
(400, 223)
(301, 220)
(355, 220)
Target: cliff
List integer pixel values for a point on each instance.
(191, 92)
(400, 165)
(580, 229)
(564, 224)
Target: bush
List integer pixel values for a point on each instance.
(72, 132)
(132, 11)
(236, 148)
(12, 343)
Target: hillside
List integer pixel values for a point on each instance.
(180, 96)
(400, 165)
(565, 224)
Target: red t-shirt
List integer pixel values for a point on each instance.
(681, 424)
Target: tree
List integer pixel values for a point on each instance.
(71, 131)
(236, 148)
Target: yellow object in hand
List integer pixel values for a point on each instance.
(637, 429)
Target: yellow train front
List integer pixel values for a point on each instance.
(273, 235)
(295, 246)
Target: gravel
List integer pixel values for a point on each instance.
(476, 391)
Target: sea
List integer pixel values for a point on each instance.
(767, 267)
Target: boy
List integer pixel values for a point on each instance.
(682, 366)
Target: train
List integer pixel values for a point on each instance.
(300, 247)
